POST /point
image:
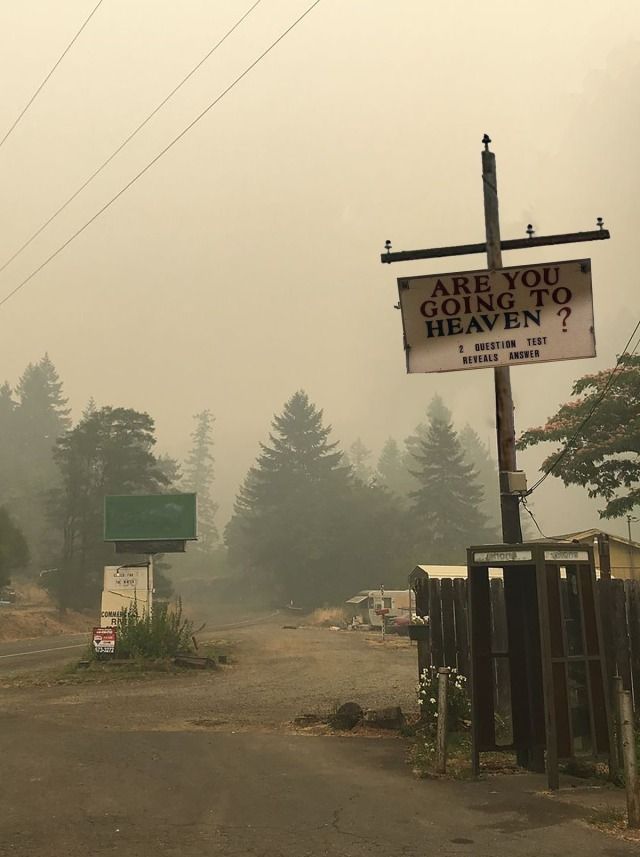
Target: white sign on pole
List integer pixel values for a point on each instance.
(486, 319)
(124, 585)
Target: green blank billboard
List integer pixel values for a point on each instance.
(150, 517)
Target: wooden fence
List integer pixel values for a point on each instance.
(445, 601)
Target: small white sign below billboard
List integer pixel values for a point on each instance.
(486, 319)
(124, 585)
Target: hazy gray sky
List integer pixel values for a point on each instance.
(244, 265)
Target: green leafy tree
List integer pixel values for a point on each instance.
(110, 451)
(599, 436)
(199, 473)
(14, 553)
(447, 504)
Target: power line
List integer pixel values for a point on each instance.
(129, 138)
(158, 156)
(533, 517)
(595, 407)
(55, 66)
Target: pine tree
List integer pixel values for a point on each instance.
(14, 553)
(359, 457)
(478, 455)
(447, 503)
(42, 409)
(199, 472)
(435, 410)
(288, 516)
(391, 470)
(30, 427)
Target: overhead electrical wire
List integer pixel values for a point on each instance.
(567, 447)
(54, 67)
(128, 139)
(162, 152)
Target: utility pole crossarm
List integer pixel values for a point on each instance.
(510, 244)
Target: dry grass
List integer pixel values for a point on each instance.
(326, 616)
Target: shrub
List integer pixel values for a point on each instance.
(162, 634)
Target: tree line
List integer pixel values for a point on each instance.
(312, 522)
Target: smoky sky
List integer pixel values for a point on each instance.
(245, 264)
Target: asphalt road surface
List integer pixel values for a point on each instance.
(230, 795)
(26, 655)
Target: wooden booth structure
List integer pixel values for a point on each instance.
(546, 648)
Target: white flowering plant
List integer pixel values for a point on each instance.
(458, 704)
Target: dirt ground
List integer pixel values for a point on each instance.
(34, 615)
(275, 675)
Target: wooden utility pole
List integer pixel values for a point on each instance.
(505, 426)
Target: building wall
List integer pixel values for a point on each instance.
(625, 559)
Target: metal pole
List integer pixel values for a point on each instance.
(441, 729)
(505, 427)
(630, 764)
(150, 584)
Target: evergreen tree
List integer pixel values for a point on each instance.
(289, 506)
(478, 456)
(199, 472)
(447, 503)
(42, 410)
(8, 445)
(359, 457)
(304, 529)
(14, 553)
(413, 444)
(31, 420)
(391, 471)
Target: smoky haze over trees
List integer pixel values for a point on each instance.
(312, 524)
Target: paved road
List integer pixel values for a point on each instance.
(74, 793)
(25, 655)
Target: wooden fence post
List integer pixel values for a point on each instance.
(441, 729)
(629, 754)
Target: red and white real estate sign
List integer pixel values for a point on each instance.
(104, 641)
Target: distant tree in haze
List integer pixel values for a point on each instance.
(198, 477)
(31, 419)
(14, 553)
(391, 470)
(598, 437)
(447, 504)
(280, 525)
(358, 458)
(108, 452)
(478, 456)
(304, 529)
(412, 445)
(42, 411)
